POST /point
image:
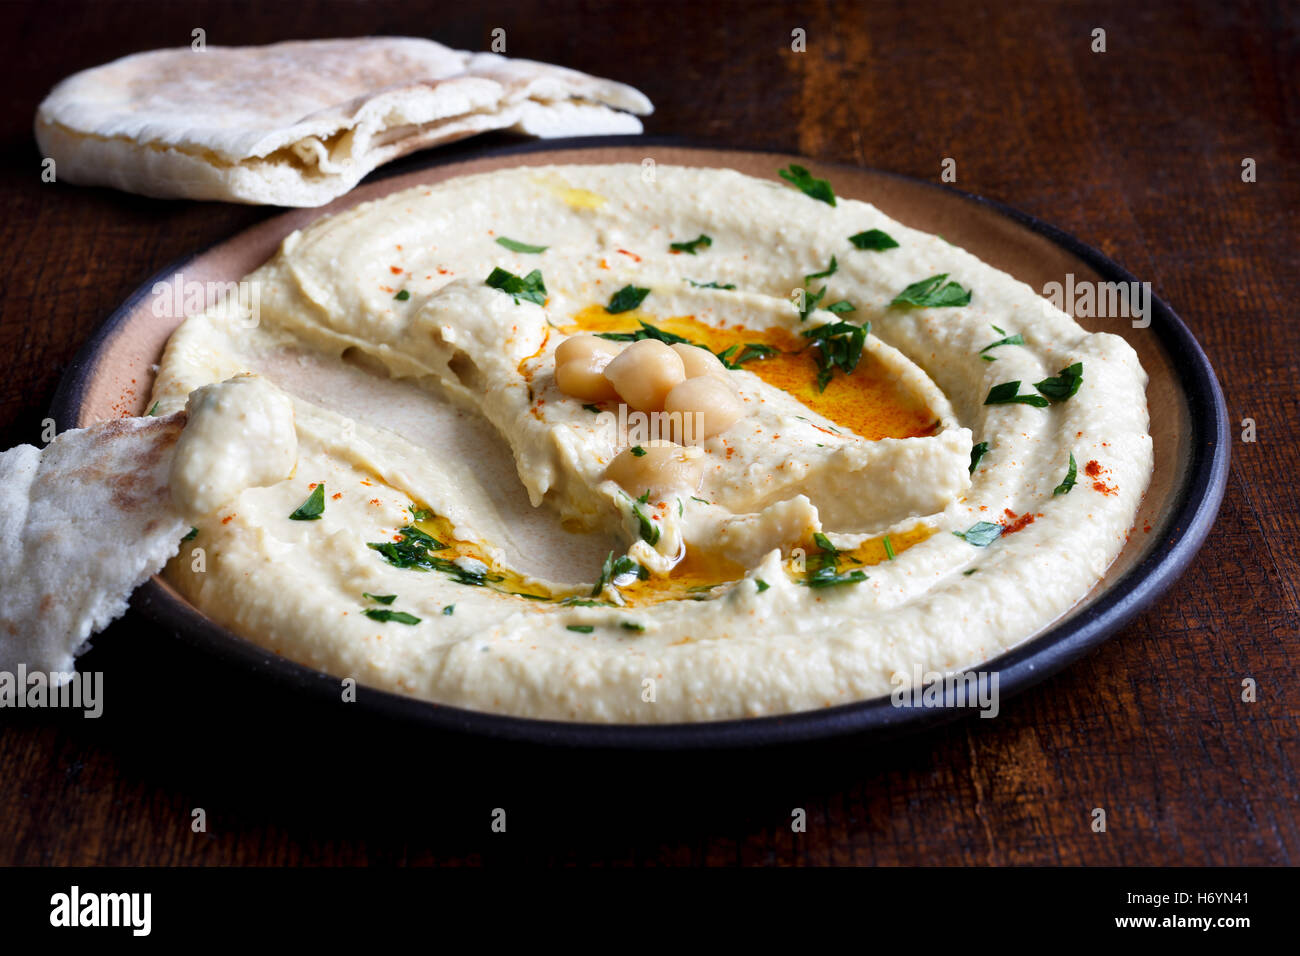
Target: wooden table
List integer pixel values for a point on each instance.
(1137, 151)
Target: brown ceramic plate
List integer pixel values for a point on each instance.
(112, 376)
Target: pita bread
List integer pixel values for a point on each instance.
(299, 123)
(83, 523)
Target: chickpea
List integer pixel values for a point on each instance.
(662, 470)
(699, 361)
(707, 404)
(644, 373)
(584, 347)
(580, 365)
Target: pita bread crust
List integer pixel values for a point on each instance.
(83, 523)
(300, 123)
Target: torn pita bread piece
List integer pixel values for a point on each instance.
(83, 523)
(300, 123)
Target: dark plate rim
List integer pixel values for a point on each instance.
(1020, 668)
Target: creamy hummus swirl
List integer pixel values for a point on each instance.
(476, 548)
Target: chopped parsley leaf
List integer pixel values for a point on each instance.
(402, 295)
(981, 534)
(626, 299)
(647, 331)
(842, 306)
(616, 569)
(761, 585)
(874, 240)
(638, 451)
(313, 507)
(1068, 482)
(594, 409)
(690, 247)
(515, 245)
(449, 610)
(631, 626)
(804, 181)
(153, 410)
(977, 451)
(530, 288)
(1005, 394)
(1063, 384)
(419, 514)
(934, 292)
(384, 614)
(828, 577)
(193, 533)
(1016, 339)
(839, 345)
(889, 548)
(830, 270)
(746, 353)
(381, 598)
(580, 628)
(712, 285)
(649, 530)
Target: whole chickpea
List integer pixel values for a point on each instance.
(708, 402)
(580, 363)
(661, 470)
(698, 361)
(644, 373)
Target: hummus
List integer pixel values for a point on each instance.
(398, 491)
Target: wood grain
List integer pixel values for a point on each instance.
(1137, 151)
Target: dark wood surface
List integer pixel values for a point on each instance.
(1137, 151)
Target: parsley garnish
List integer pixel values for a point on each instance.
(977, 452)
(827, 577)
(1063, 384)
(711, 285)
(449, 610)
(647, 331)
(981, 534)
(616, 568)
(419, 514)
(761, 585)
(594, 409)
(412, 554)
(626, 299)
(514, 245)
(580, 628)
(313, 507)
(530, 288)
(638, 451)
(402, 295)
(692, 246)
(934, 292)
(747, 353)
(384, 614)
(830, 270)
(803, 180)
(839, 346)
(194, 533)
(153, 410)
(842, 306)
(889, 548)
(1068, 482)
(1016, 339)
(1005, 394)
(381, 598)
(649, 530)
(874, 239)
(810, 300)
(631, 626)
